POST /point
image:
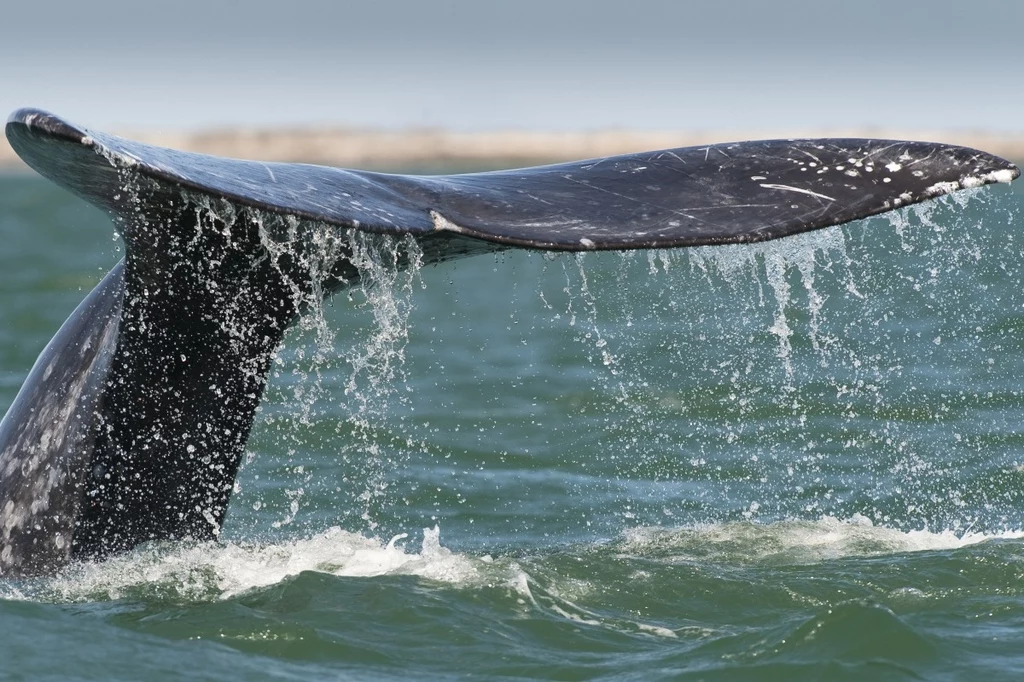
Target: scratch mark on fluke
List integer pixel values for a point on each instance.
(801, 190)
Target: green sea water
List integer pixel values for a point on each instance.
(794, 461)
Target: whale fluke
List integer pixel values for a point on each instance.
(131, 425)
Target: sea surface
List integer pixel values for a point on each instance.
(795, 461)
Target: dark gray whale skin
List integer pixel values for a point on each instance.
(131, 425)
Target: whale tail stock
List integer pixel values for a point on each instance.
(132, 423)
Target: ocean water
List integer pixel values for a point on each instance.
(794, 461)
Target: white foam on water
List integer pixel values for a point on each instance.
(210, 572)
(560, 597)
(214, 572)
(794, 541)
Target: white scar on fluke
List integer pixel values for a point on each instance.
(442, 224)
(787, 188)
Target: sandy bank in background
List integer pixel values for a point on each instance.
(436, 148)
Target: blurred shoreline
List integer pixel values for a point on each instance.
(435, 149)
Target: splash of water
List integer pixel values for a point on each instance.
(775, 263)
(215, 572)
(377, 363)
(371, 370)
(803, 252)
(211, 572)
(386, 285)
(708, 391)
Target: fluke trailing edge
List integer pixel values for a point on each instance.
(131, 424)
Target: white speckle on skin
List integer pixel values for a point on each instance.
(587, 243)
(1005, 175)
(971, 181)
(758, 177)
(892, 167)
(944, 188)
(904, 198)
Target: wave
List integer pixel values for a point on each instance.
(211, 571)
(794, 541)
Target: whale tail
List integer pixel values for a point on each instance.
(132, 424)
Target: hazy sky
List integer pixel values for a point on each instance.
(534, 64)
